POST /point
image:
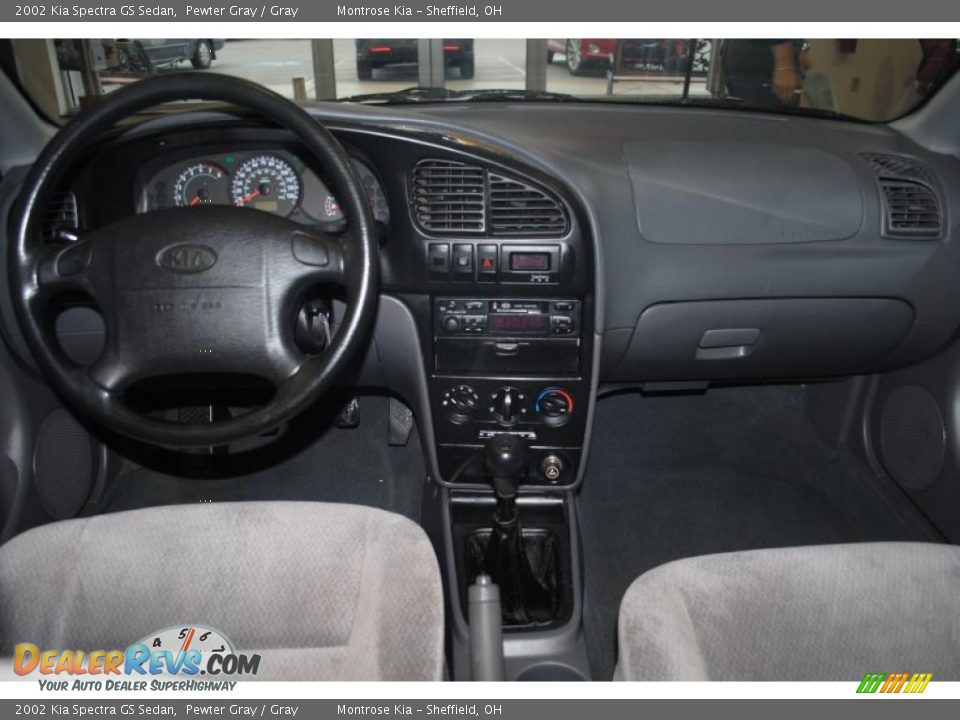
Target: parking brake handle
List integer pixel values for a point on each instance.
(486, 630)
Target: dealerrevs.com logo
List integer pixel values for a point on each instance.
(185, 652)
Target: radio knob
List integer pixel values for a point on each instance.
(451, 324)
(507, 406)
(461, 403)
(555, 405)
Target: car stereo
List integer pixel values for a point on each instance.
(507, 318)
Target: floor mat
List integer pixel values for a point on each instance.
(329, 465)
(733, 469)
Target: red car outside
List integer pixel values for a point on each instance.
(581, 56)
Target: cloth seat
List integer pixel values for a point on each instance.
(321, 591)
(830, 612)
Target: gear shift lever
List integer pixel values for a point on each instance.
(506, 461)
(525, 597)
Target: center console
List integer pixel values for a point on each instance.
(509, 365)
(508, 349)
(497, 271)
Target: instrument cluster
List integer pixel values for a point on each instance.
(274, 181)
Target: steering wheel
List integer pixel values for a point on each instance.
(211, 289)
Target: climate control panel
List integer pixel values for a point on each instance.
(469, 411)
(507, 406)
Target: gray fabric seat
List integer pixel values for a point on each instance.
(831, 612)
(321, 591)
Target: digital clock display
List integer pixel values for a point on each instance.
(530, 262)
(517, 323)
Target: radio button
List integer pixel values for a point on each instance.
(561, 325)
(451, 324)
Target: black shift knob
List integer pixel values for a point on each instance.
(506, 461)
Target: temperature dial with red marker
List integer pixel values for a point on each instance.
(554, 405)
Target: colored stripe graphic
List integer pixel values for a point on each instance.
(891, 683)
(871, 682)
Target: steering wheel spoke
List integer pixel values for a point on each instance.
(318, 257)
(66, 269)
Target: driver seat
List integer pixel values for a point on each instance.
(321, 591)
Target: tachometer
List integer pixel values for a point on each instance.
(266, 182)
(201, 184)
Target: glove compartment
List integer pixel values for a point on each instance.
(763, 338)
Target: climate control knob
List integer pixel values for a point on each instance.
(507, 406)
(461, 403)
(554, 405)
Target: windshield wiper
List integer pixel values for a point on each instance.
(407, 95)
(506, 95)
(438, 94)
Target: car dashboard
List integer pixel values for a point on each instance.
(523, 271)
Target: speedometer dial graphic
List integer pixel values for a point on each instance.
(266, 182)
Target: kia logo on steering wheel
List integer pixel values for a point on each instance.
(187, 258)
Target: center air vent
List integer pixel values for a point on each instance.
(449, 196)
(910, 204)
(452, 197)
(517, 208)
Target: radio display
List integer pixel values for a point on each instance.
(515, 323)
(530, 262)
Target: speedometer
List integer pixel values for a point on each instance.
(266, 182)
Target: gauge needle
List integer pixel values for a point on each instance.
(195, 201)
(187, 640)
(248, 197)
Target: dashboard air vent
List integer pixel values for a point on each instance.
(912, 209)
(449, 196)
(517, 208)
(60, 220)
(911, 206)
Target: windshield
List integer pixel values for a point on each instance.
(867, 79)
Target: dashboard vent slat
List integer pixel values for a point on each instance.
(911, 206)
(449, 196)
(60, 217)
(517, 208)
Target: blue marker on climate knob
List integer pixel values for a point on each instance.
(564, 409)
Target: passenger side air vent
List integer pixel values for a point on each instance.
(449, 196)
(517, 208)
(910, 204)
(912, 209)
(60, 220)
